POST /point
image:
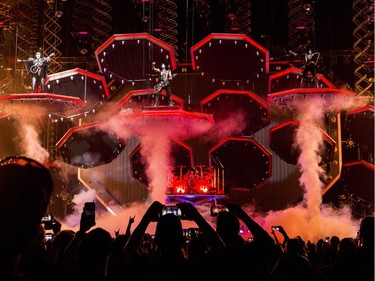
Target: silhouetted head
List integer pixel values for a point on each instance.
(334, 242)
(97, 243)
(25, 190)
(293, 246)
(169, 232)
(366, 231)
(62, 240)
(347, 247)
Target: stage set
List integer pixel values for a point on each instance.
(243, 123)
(239, 145)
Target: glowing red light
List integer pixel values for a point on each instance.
(202, 186)
(180, 187)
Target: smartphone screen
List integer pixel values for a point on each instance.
(171, 210)
(47, 218)
(49, 236)
(89, 210)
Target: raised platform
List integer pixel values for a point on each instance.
(162, 107)
(195, 198)
(45, 102)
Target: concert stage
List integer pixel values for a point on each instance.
(231, 138)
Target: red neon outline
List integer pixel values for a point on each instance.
(42, 96)
(4, 115)
(137, 148)
(254, 142)
(180, 142)
(298, 71)
(228, 36)
(66, 73)
(72, 130)
(54, 165)
(309, 90)
(279, 126)
(240, 139)
(362, 109)
(78, 128)
(234, 92)
(296, 123)
(134, 36)
(360, 162)
(208, 117)
(146, 91)
(134, 150)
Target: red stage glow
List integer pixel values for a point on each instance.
(202, 186)
(180, 187)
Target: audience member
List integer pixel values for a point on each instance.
(25, 190)
(292, 266)
(172, 254)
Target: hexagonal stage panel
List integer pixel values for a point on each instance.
(290, 78)
(181, 124)
(230, 58)
(139, 100)
(355, 188)
(89, 145)
(287, 100)
(181, 154)
(246, 163)
(358, 134)
(281, 140)
(90, 88)
(127, 58)
(243, 106)
(37, 104)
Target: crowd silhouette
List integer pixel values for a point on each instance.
(172, 253)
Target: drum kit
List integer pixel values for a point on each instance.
(194, 181)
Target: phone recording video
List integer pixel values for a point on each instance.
(49, 236)
(46, 218)
(89, 212)
(171, 209)
(47, 221)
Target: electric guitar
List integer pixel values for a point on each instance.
(38, 64)
(162, 84)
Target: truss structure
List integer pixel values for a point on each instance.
(364, 46)
(167, 19)
(301, 26)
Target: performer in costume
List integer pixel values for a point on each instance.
(311, 60)
(37, 66)
(165, 75)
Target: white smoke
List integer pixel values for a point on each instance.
(311, 219)
(79, 200)
(30, 141)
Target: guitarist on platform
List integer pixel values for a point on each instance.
(311, 60)
(165, 75)
(37, 66)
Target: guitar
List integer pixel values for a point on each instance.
(162, 84)
(39, 63)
